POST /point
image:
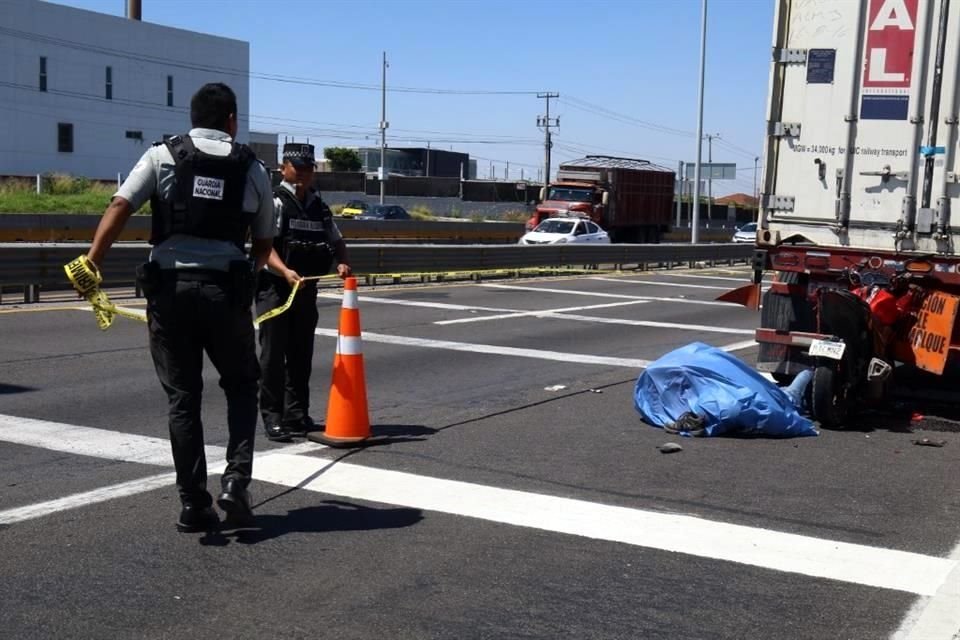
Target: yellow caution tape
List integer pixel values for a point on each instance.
(86, 279)
(273, 313)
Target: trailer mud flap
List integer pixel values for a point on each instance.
(747, 295)
(927, 342)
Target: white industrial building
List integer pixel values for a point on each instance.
(86, 93)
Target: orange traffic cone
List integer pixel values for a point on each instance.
(348, 421)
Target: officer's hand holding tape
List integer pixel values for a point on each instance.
(292, 277)
(85, 277)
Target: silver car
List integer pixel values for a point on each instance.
(746, 233)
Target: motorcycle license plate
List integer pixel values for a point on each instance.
(832, 349)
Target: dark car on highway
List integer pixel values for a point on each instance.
(385, 212)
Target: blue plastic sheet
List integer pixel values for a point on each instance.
(730, 396)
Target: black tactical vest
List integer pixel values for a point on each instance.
(206, 199)
(305, 240)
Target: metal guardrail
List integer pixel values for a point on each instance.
(36, 266)
(57, 227)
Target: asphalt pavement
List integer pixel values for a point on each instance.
(514, 493)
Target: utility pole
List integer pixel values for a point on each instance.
(428, 159)
(755, 193)
(710, 177)
(546, 122)
(506, 172)
(383, 130)
(679, 193)
(695, 219)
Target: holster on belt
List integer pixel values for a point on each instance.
(149, 278)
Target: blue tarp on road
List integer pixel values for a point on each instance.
(731, 397)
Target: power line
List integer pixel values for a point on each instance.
(272, 77)
(583, 105)
(735, 149)
(604, 112)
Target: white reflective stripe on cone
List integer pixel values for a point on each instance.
(350, 299)
(349, 345)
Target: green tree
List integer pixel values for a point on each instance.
(342, 159)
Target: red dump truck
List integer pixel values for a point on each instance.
(631, 199)
(859, 184)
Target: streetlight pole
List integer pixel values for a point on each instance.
(695, 219)
(756, 195)
(710, 138)
(383, 130)
(679, 193)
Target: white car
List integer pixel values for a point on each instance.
(746, 233)
(563, 230)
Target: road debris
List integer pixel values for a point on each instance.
(670, 447)
(927, 442)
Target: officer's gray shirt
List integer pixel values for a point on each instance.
(279, 204)
(154, 173)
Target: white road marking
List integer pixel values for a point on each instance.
(765, 548)
(556, 315)
(419, 303)
(739, 346)
(680, 285)
(746, 279)
(558, 356)
(108, 445)
(860, 564)
(86, 498)
(89, 441)
(542, 312)
(936, 618)
(598, 294)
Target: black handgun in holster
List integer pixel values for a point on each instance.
(149, 278)
(242, 282)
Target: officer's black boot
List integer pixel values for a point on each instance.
(194, 519)
(277, 432)
(235, 502)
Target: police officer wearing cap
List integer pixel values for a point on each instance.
(307, 241)
(207, 194)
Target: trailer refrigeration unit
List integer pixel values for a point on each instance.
(631, 199)
(859, 183)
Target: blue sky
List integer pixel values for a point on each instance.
(635, 58)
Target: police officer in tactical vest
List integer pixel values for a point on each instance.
(207, 193)
(306, 244)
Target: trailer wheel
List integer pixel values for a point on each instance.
(829, 402)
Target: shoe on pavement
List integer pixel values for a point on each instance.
(277, 432)
(235, 502)
(194, 519)
(302, 427)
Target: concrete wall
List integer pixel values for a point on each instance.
(78, 46)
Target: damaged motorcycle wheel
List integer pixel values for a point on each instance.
(828, 397)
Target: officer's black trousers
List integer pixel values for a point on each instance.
(286, 350)
(186, 318)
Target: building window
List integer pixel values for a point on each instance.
(109, 83)
(169, 91)
(65, 137)
(43, 73)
